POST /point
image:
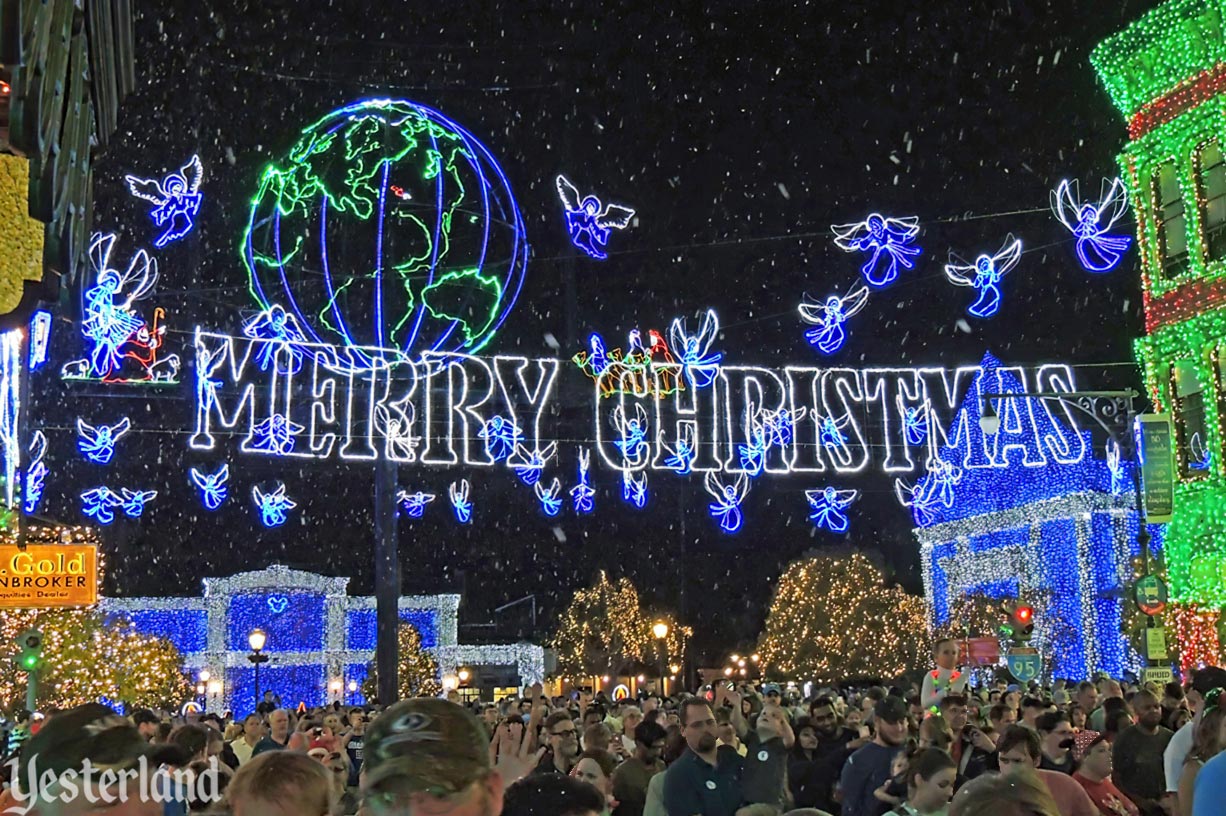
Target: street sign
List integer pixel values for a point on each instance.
(1157, 466)
(1024, 663)
(1155, 643)
(1150, 594)
(982, 651)
(1158, 674)
(48, 575)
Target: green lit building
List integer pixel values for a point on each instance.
(1166, 73)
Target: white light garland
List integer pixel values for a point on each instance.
(334, 657)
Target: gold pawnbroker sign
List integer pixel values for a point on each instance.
(48, 575)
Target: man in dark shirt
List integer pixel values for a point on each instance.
(630, 779)
(1056, 733)
(1137, 755)
(869, 767)
(706, 779)
(563, 751)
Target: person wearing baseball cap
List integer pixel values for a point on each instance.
(431, 756)
(61, 768)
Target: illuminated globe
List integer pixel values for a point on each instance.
(387, 225)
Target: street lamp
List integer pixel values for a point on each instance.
(335, 687)
(660, 630)
(257, 640)
(464, 675)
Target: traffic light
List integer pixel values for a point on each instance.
(29, 650)
(1019, 620)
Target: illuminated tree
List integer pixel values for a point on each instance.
(972, 616)
(417, 671)
(834, 617)
(604, 628)
(87, 658)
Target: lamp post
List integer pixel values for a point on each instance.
(335, 688)
(660, 630)
(1113, 412)
(257, 640)
(353, 689)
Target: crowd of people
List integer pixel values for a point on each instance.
(942, 747)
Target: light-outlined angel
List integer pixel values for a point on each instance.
(134, 501)
(829, 506)
(915, 419)
(36, 473)
(100, 503)
(830, 316)
(458, 494)
(985, 274)
(633, 431)
(699, 365)
(728, 498)
(634, 489)
(917, 498)
(176, 199)
(1090, 222)
(534, 462)
(282, 331)
(214, 487)
(549, 497)
(98, 444)
(414, 504)
(582, 494)
(501, 436)
(590, 222)
(888, 239)
(680, 460)
(276, 434)
(274, 506)
(113, 330)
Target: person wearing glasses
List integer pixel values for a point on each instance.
(563, 749)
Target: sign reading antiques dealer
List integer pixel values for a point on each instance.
(48, 575)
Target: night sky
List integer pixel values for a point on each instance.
(739, 133)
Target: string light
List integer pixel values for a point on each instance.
(589, 222)
(176, 200)
(834, 617)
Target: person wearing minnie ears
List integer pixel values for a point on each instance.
(946, 678)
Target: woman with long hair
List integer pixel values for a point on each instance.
(1207, 742)
(930, 774)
